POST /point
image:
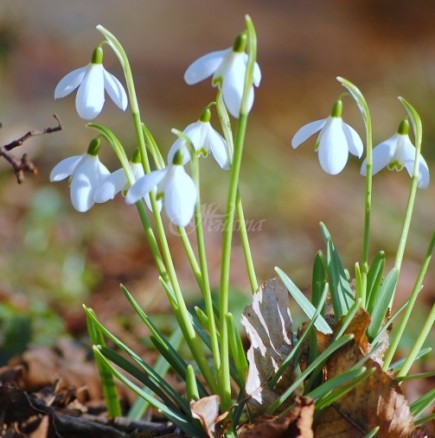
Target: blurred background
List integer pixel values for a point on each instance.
(52, 259)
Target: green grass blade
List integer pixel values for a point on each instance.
(381, 303)
(373, 432)
(303, 302)
(341, 291)
(237, 351)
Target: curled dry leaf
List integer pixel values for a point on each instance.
(206, 410)
(268, 324)
(378, 401)
(296, 423)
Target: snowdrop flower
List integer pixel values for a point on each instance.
(117, 182)
(336, 139)
(174, 186)
(91, 81)
(205, 139)
(86, 173)
(396, 153)
(228, 68)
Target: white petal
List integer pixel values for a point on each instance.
(423, 172)
(204, 66)
(174, 149)
(354, 142)
(115, 90)
(69, 82)
(307, 131)
(196, 132)
(110, 186)
(144, 185)
(333, 151)
(218, 147)
(256, 75)
(86, 179)
(65, 168)
(90, 96)
(383, 154)
(180, 196)
(234, 83)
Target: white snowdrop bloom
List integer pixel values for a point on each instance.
(205, 139)
(228, 68)
(174, 186)
(396, 153)
(117, 182)
(86, 173)
(92, 80)
(334, 142)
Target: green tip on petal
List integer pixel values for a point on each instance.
(240, 43)
(178, 158)
(395, 165)
(337, 109)
(97, 56)
(205, 116)
(135, 158)
(403, 128)
(94, 147)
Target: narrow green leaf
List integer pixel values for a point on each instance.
(341, 292)
(161, 367)
(399, 363)
(185, 423)
(338, 393)
(191, 386)
(159, 340)
(423, 402)
(106, 377)
(381, 303)
(303, 302)
(292, 357)
(373, 432)
(374, 279)
(237, 351)
(317, 363)
(318, 280)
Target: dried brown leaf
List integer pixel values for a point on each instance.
(268, 324)
(297, 423)
(206, 410)
(378, 401)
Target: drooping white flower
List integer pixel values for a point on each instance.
(174, 186)
(86, 173)
(91, 81)
(117, 182)
(396, 153)
(336, 139)
(205, 139)
(228, 68)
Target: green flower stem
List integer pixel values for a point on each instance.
(410, 307)
(182, 312)
(245, 244)
(196, 270)
(226, 128)
(418, 132)
(224, 371)
(204, 282)
(122, 157)
(123, 59)
(427, 327)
